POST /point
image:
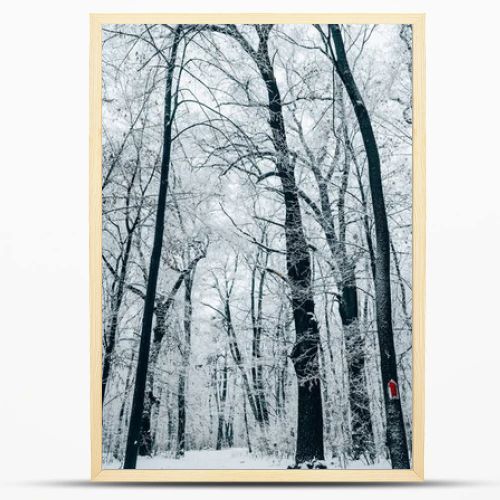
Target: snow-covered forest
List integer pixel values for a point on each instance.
(257, 246)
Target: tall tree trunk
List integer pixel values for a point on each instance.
(304, 354)
(147, 319)
(121, 417)
(150, 399)
(221, 390)
(361, 422)
(170, 420)
(256, 310)
(183, 372)
(281, 359)
(245, 420)
(396, 436)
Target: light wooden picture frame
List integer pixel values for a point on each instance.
(416, 472)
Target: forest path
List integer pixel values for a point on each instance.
(234, 458)
(228, 458)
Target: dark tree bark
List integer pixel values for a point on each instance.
(361, 423)
(221, 393)
(245, 419)
(256, 310)
(304, 354)
(396, 436)
(183, 372)
(281, 365)
(131, 451)
(121, 417)
(170, 420)
(151, 401)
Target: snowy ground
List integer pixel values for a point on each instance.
(231, 458)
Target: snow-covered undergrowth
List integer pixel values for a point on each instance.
(232, 458)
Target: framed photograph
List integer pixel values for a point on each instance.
(257, 247)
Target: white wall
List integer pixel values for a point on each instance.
(44, 443)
